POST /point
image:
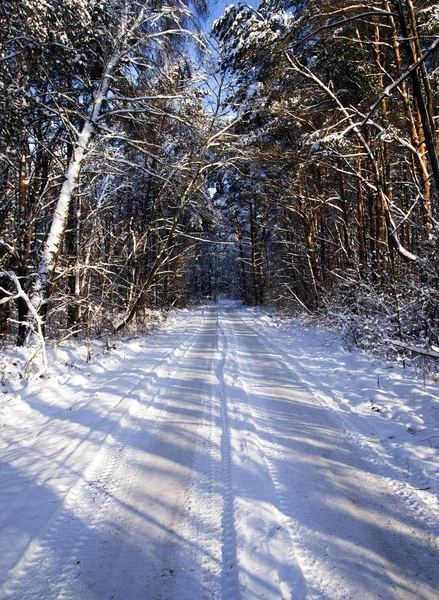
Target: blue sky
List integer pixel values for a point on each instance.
(218, 6)
(217, 9)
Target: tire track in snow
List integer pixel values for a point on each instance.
(203, 519)
(415, 500)
(203, 522)
(398, 571)
(289, 570)
(27, 579)
(229, 576)
(309, 585)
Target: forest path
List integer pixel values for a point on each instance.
(201, 468)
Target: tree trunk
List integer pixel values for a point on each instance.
(407, 20)
(244, 292)
(22, 308)
(53, 244)
(252, 210)
(415, 128)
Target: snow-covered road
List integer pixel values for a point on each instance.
(198, 466)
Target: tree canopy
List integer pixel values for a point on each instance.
(291, 159)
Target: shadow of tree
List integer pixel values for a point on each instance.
(129, 528)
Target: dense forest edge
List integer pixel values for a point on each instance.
(289, 158)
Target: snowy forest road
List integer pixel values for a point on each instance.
(201, 468)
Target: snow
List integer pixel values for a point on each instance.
(230, 455)
(397, 408)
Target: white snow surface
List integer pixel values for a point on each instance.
(228, 456)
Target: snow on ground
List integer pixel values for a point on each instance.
(398, 408)
(230, 455)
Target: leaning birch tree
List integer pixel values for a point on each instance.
(138, 34)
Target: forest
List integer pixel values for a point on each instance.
(288, 157)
